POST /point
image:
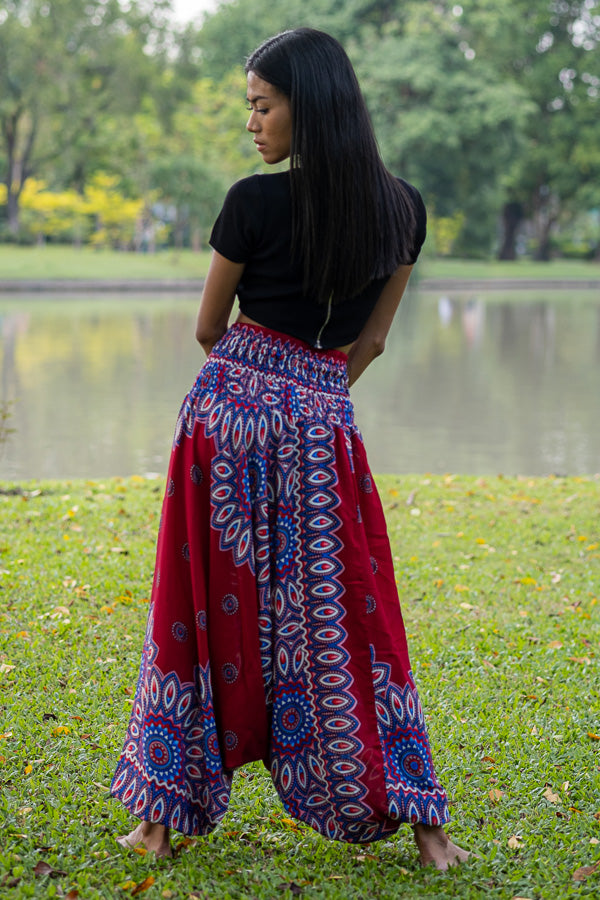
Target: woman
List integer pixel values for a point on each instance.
(275, 630)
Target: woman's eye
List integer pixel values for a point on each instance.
(262, 111)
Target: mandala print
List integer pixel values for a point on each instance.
(278, 513)
(230, 604)
(414, 793)
(170, 770)
(180, 632)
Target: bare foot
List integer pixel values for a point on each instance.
(153, 836)
(436, 848)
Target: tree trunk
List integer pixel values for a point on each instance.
(543, 251)
(12, 207)
(17, 168)
(512, 216)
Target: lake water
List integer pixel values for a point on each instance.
(484, 384)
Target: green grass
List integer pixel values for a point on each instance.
(557, 269)
(499, 580)
(66, 262)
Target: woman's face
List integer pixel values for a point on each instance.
(270, 119)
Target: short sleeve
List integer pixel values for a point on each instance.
(238, 225)
(420, 223)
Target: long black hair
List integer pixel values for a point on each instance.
(352, 221)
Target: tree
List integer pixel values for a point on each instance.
(442, 118)
(67, 71)
(491, 108)
(550, 47)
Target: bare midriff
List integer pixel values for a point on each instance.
(242, 318)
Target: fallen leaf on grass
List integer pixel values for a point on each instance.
(593, 737)
(495, 795)
(594, 841)
(515, 842)
(4, 667)
(582, 660)
(72, 895)
(59, 612)
(44, 868)
(555, 645)
(550, 796)
(585, 871)
(143, 885)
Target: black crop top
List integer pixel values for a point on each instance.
(254, 227)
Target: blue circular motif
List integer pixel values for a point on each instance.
(180, 632)
(230, 604)
(371, 604)
(412, 765)
(162, 753)
(185, 551)
(366, 484)
(230, 673)
(196, 474)
(201, 619)
(374, 565)
(291, 719)
(231, 740)
(171, 488)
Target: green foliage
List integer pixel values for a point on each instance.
(498, 581)
(491, 109)
(71, 75)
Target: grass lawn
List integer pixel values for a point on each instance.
(499, 580)
(556, 270)
(66, 262)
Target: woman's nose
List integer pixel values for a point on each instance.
(251, 124)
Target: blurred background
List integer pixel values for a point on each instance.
(122, 121)
(122, 124)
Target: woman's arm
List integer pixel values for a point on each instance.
(217, 300)
(371, 341)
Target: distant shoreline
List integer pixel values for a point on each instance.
(192, 286)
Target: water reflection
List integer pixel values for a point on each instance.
(468, 383)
